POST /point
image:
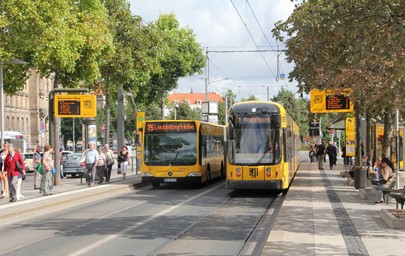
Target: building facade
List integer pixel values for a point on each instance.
(27, 110)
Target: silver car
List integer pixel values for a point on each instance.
(72, 164)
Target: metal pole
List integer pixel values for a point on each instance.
(206, 74)
(2, 104)
(73, 135)
(120, 125)
(397, 145)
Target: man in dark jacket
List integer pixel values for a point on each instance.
(320, 152)
(332, 153)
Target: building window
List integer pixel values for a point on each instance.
(199, 102)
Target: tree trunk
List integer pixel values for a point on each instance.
(387, 130)
(56, 147)
(107, 113)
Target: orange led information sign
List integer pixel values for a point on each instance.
(337, 102)
(329, 101)
(173, 127)
(71, 105)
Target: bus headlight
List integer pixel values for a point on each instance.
(147, 174)
(193, 174)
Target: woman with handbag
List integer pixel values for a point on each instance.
(123, 161)
(15, 168)
(47, 166)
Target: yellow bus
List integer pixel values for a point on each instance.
(262, 146)
(182, 151)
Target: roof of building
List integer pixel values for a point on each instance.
(193, 98)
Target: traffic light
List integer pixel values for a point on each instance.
(314, 129)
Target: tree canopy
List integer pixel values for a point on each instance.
(345, 44)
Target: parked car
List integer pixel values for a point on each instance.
(28, 161)
(72, 165)
(66, 152)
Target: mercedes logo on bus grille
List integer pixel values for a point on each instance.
(170, 174)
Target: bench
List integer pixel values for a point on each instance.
(399, 197)
(386, 191)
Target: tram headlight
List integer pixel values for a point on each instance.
(238, 172)
(268, 172)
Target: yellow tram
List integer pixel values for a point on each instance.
(262, 146)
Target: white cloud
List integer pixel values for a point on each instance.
(218, 26)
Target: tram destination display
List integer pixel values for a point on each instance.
(72, 105)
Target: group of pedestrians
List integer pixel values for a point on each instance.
(12, 172)
(99, 162)
(318, 152)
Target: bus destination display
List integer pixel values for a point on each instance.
(69, 107)
(336, 102)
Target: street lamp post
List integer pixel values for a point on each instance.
(175, 111)
(13, 61)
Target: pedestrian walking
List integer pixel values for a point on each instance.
(37, 158)
(320, 152)
(3, 175)
(101, 165)
(47, 166)
(15, 168)
(331, 150)
(109, 155)
(91, 158)
(123, 161)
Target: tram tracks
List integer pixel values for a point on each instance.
(238, 226)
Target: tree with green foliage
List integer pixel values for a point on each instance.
(349, 44)
(59, 37)
(178, 55)
(296, 108)
(251, 97)
(64, 38)
(184, 112)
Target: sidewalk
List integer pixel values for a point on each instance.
(321, 215)
(72, 184)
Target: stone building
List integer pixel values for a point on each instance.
(27, 110)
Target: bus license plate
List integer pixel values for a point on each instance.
(170, 180)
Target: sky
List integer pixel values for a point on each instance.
(240, 26)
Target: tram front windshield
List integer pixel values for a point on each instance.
(170, 148)
(257, 139)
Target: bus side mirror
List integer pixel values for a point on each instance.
(203, 140)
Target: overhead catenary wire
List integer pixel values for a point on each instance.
(250, 34)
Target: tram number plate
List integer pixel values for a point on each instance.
(170, 180)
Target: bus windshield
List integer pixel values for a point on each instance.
(170, 148)
(257, 139)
